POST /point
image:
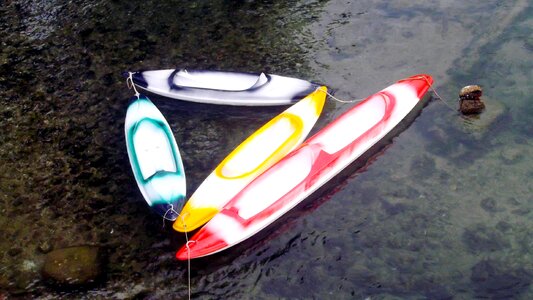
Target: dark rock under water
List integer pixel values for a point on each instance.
(73, 266)
(493, 280)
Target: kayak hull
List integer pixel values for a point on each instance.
(308, 167)
(252, 157)
(224, 88)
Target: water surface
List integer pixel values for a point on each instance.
(445, 212)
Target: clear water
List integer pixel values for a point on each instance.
(445, 212)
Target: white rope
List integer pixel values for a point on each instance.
(420, 77)
(188, 254)
(186, 245)
(130, 84)
(339, 100)
(442, 99)
(171, 209)
(188, 263)
(435, 92)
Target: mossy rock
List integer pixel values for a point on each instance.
(73, 266)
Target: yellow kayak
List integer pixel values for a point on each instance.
(252, 157)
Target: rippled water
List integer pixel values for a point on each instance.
(445, 212)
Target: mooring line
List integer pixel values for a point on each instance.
(337, 99)
(187, 243)
(171, 209)
(418, 77)
(130, 84)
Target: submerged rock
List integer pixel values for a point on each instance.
(495, 281)
(490, 205)
(483, 239)
(479, 125)
(73, 266)
(44, 247)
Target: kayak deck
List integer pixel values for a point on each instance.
(154, 157)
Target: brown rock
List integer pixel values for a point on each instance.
(472, 92)
(73, 266)
(470, 100)
(469, 107)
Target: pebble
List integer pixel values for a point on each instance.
(511, 154)
(489, 205)
(44, 247)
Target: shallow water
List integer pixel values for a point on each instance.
(445, 212)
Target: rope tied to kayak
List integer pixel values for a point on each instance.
(415, 77)
(432, 88)
(188, 262)
(187, 243)
(131, 85)
(337, 99)
(171, 209)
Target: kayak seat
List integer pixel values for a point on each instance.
(218, 80)
(268, 144)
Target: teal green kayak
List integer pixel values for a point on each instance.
(155, 158)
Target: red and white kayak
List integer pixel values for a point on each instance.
(307, 168)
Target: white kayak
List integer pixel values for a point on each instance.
(308, 167)
(224, 88)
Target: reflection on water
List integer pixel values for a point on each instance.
(444, 212)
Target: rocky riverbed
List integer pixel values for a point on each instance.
(444, 212)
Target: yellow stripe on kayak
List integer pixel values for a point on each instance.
(242, 152)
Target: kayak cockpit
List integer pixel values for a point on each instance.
(270, 143)
(218, 80)
(152, 148)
